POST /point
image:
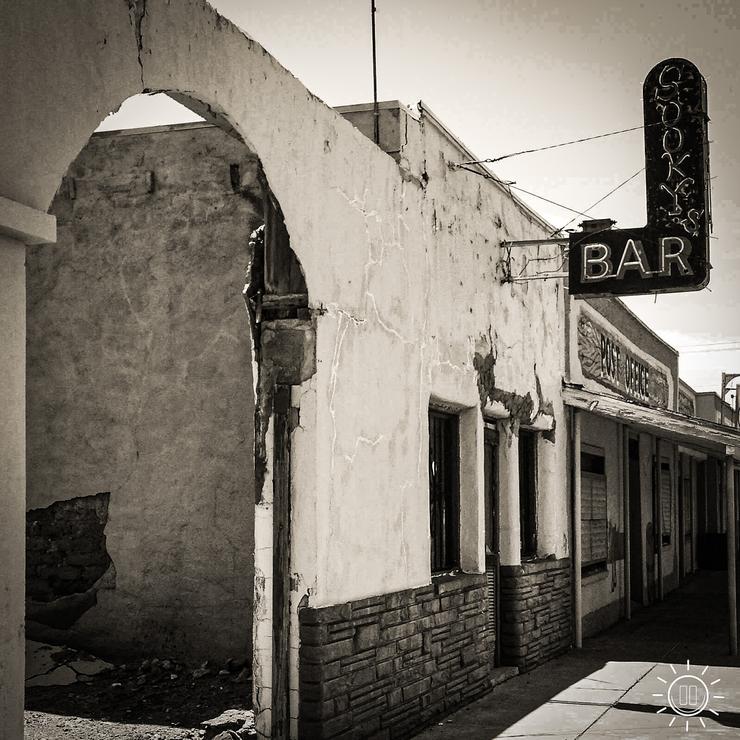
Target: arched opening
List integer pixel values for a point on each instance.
(149, 393)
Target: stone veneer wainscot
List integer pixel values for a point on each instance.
(387, 665)
(536, 614)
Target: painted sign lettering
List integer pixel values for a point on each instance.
(671, 253)
(605, 359)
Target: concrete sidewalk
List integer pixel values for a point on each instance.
(618, 685)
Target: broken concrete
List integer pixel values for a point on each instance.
(50, 665)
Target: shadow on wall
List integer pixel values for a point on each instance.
(140, 384)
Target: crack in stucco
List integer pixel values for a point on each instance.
(360, 439)
(377, 248)
(137, 11)
(345, 320)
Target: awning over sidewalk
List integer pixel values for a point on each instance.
(689, 431)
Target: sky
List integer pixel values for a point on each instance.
(520, 74)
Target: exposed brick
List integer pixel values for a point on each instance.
(395, 616)
(385, 651)
(414, 642)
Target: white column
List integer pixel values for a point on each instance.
(625, 439)
(19, 226)
(509, 527)
(12, 484)
(472, 506)
(577, 595)
(731, 551)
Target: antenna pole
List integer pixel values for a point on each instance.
(376, 112)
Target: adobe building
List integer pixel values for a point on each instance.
(380, 310)
(140, 402)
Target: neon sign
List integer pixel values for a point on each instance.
(671, 253)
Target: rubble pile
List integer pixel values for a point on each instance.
(161, 691)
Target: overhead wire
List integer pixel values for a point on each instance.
(715, 349)
(730, 345)
(492, 160)
(511, 185)
(601, 200)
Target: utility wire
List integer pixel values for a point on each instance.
(600, 200)
(512, 186)
(730, 344)
(714, 349)
(556, 146)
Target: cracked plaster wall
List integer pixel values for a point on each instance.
(139, 383)
(401, 262)
(384, 247)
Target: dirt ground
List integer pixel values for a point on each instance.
(156, 700)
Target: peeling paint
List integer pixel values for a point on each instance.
(519, 407)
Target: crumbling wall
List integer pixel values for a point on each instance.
(66, 559)
(140, 385)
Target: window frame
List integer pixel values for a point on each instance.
(444, 492)
(527, 448)
(666, 504)
(594, 471)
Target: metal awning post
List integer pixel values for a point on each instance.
(659, 515)
(626, 507)
(577, 595)
(731, 552)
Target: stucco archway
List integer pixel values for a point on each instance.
(109, 61)
(342, 200)
(281, 338)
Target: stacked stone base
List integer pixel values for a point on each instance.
(536, 615)
(384, 667)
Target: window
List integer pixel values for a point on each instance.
(490, 484)
(666, 503)
(444, 491)
(593, 511)
(528, 492)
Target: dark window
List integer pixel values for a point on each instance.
(528, 492)
(444, 494)
(490, 478)
(593, 512)
(666, 503)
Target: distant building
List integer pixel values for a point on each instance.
(709, 406)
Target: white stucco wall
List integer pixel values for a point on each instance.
(403, 267)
